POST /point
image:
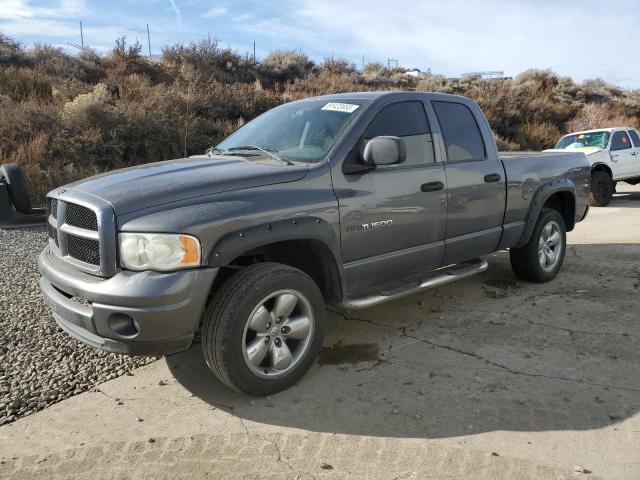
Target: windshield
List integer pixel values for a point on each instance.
(299, 131)
(581, 140)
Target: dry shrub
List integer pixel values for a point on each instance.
(537, 136)
(21, 83)
(64, 117)
(338, 66)
(599, 115)
(286, 65)
(205, 61)
(319, 83)
(92, 108)
(435, 83)
(505, 145)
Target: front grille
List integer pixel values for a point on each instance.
(84, 232)
(52, 209)
(83, 249)
(53, 234)
(81, 217)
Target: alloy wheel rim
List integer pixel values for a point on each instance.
(277, 333)
(550, 246)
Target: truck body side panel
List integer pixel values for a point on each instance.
(527, 173)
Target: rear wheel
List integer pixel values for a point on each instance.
(602, 189)
(18, 187)
(540, 259)
(263, 328)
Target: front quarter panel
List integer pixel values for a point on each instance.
(240, 214)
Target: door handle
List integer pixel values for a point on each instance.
(431, 186)
(492, 177)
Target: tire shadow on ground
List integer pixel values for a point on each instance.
(485, 354)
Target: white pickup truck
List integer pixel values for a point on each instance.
(614, 155)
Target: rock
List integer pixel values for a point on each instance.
(39, 363)
(326, 466)
(579, 469)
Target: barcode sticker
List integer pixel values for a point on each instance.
(341, 107)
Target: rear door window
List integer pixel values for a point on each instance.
(461, 132)
(620, 141)
(634, 136)
(408, 121)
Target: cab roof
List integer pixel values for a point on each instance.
(608, 129)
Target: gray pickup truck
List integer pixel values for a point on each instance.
(350, 199)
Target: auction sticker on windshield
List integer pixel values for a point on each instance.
(341, 107)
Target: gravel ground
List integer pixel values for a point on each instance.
(39, 363)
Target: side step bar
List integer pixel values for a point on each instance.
(456, 272)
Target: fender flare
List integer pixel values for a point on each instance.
(539, 198)
(234, 244)
(604, 166)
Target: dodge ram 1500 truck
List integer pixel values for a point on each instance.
(350, 199)
(614, 155)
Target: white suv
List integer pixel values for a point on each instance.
(614, 154)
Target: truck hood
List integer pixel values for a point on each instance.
(153, 184)
(585, 150)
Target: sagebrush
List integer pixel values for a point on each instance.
(65, 117)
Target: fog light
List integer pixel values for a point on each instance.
(124, 325)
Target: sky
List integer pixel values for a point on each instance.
(577, 38)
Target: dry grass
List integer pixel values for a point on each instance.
(66, 117)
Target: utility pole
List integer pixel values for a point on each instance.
(81, 37)
(254, 52)
(149, 41)
(390, 61)
(362, 62)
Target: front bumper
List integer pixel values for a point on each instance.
(136, 313)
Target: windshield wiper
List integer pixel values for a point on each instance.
(214, 151)
(267, 152)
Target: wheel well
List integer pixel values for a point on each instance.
(313, 257)
(601, 167)
(565, 204)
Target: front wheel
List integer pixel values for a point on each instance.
(263, 328)
(540, 259)
(602, 189)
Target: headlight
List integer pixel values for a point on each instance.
(158, 251)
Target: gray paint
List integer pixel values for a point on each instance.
(377, 223)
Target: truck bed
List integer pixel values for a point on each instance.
(527, 171)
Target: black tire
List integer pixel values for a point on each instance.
(602, 189)
(525, 260)
(18, 187)
(223, 330)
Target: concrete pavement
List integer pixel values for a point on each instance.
(487, 378)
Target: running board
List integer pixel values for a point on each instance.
(456, 272)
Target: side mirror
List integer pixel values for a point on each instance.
(384, 151)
